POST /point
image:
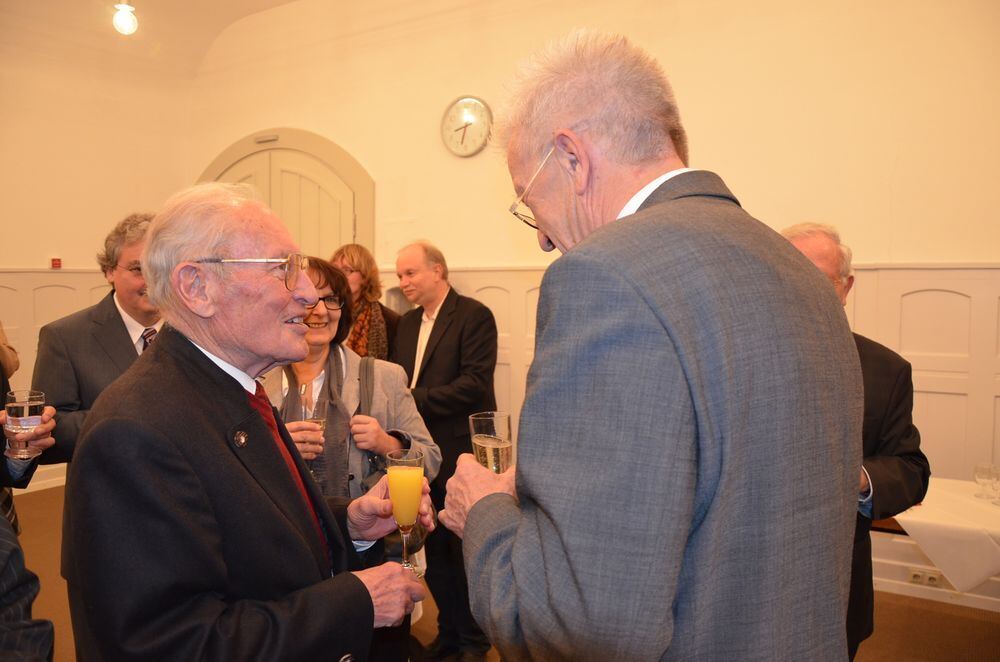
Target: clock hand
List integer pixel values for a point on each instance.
(463, 129)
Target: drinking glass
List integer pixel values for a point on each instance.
(981, 473)
(24, 412)
(491, 442)
(405, 468)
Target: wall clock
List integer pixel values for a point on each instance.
(465, 127)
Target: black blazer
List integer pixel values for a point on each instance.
(78, 356)
(456, 377)
(899, 471)
(21, 637)
(184, 535)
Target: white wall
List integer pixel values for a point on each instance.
(878, 117)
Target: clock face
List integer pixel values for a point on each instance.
(465, 127)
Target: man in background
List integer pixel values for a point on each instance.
(192, 527)
(684, 479)
(80, 354)
(894, 473)
(448, 347)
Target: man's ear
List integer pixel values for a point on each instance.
(190, 282)
(571, 155)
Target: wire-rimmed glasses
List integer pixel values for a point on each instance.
(527, 219)
(294, 264)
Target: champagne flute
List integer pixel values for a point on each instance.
(405, 468)
(24, 412)
(491, 442)
(981, 474)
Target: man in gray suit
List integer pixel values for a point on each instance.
(80, 354)
(689, 444)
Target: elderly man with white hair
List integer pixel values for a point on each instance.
(894, 472)
(685, 475)
(193, 530)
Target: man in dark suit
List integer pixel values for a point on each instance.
(192, 528)
(894, 472)
(448, 347)
(21, 637)
(80, 354)
(683, 479)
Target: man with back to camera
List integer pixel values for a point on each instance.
(894, 472)
(448, 347)
(684, 482)
(192, 528)
(80, 354)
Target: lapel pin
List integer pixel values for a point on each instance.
(240, 439)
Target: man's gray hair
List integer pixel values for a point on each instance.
(803, 230)
(198, 222)
(432, 254)
(599, 83)
(128, 231)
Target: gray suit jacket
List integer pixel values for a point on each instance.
(688, 453)
(392, 405)
(78, 357)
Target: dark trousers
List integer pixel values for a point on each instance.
(450, 588)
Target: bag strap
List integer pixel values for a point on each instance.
(367, 386)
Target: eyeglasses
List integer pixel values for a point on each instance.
(134, 269)
(332, 302)
(292, 265)
(525, 218)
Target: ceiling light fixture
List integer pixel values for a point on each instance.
(125, 20)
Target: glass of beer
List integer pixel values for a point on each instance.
(405, 468)
(24, 412)
(491, 442)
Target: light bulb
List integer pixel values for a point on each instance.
(124, 20)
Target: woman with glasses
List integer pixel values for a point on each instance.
(348, 456)
(374, 329)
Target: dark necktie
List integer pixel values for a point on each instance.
(260, 402)
(147, 337)
(7, 508)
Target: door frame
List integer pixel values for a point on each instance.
(331, 154)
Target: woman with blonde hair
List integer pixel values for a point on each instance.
(374, 329)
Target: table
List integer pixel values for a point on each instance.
(957, 531)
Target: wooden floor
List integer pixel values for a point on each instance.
(906, 629)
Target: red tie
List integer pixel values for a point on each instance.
(260, 402)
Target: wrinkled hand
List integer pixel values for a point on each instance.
(393, 589)
(308, 438)
(369, 517)
(471, 482)
(369, 435)
(40, 436)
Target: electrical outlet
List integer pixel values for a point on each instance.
(933, 578)
(929, 577)
(917, 576)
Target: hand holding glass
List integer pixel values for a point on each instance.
(491, 442)
(405, 468)
(24, 412)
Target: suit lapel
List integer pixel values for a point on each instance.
(441, 324)
(406, 341)
(110, 334)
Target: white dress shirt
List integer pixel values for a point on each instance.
(426, 326)
(632, 206)
(134, 328)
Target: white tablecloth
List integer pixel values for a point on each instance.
(957, 531)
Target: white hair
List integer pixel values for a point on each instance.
(600, 83)
(803, 230)
(198, 222)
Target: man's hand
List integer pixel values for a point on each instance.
(308, 438)
(393, 589)
(369, 517)
(369, 435)
(471, 482)
(40, 436)
(863, 483)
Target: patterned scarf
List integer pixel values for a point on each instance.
(368, 335)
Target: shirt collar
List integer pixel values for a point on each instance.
(134, 328)
(245, 380)
(429, 316)
(632, 206)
